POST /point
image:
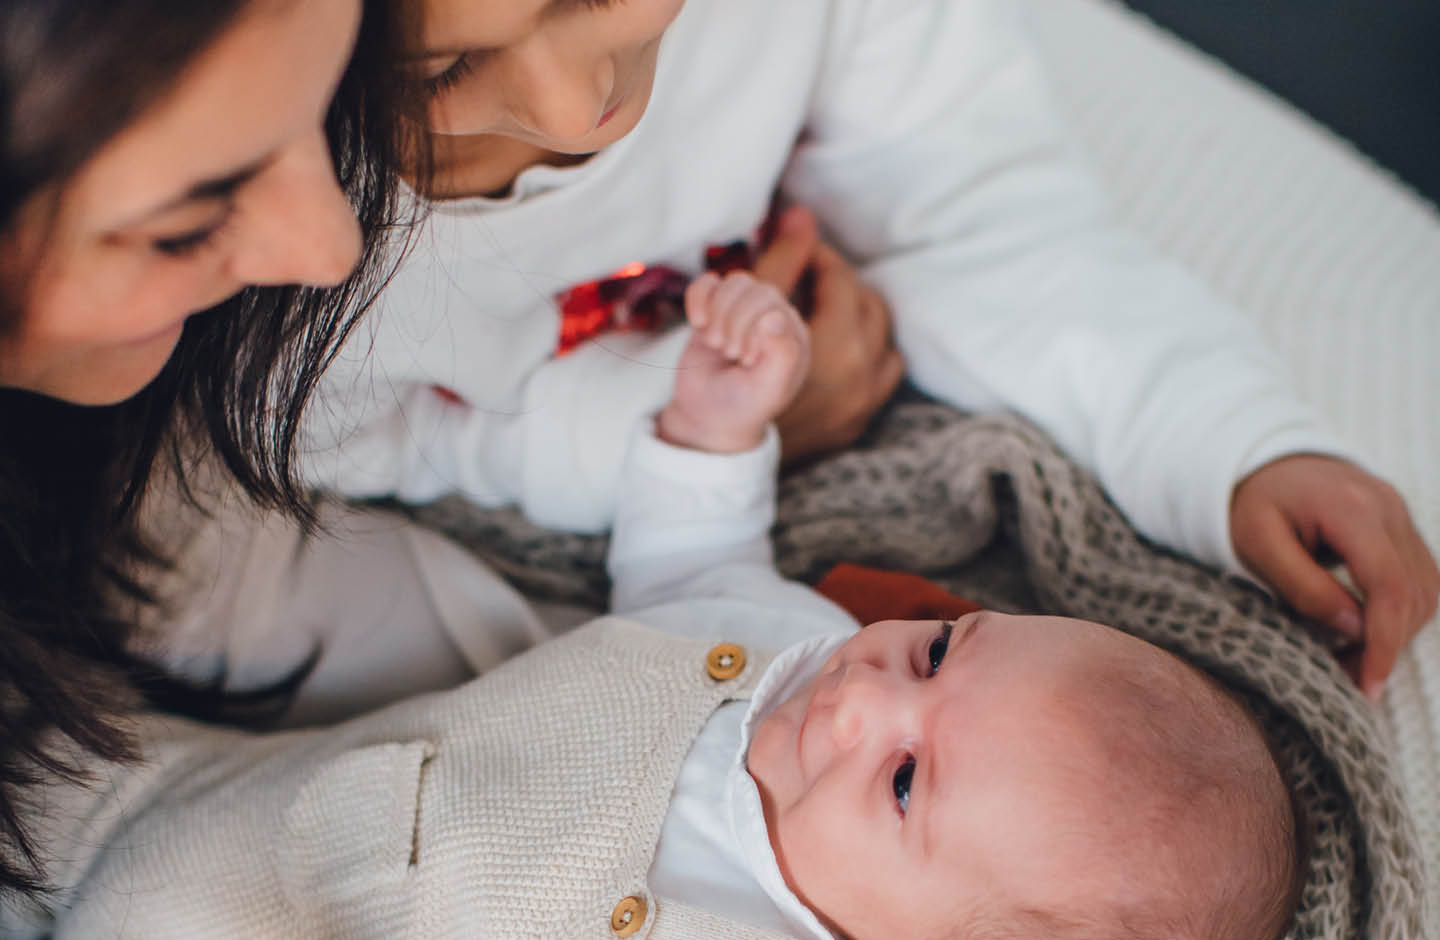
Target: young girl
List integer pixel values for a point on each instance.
(575, 142)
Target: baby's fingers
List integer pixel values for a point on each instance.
(700, 299)
(774, 329)
(732, 304)
(740, 303)
(1269, 545)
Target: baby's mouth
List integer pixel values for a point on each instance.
(809, 712)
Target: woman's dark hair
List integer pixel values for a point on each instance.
(72, 74)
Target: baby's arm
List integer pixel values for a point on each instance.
(698, 493)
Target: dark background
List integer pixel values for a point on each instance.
(1370, 69)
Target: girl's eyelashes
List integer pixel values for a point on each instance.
(939, 646)
(900, 783)
(466, 64)
(458, 71)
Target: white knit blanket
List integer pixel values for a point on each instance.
(1339, 264)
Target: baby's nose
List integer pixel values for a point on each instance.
(864, 702)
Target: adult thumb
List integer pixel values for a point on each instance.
(785, 259)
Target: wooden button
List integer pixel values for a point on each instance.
(628, 916)
(725, 661)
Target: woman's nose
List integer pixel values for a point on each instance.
(298, 226)
(556, 92)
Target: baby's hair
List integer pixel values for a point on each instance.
(1199, 792)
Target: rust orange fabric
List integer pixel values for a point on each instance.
(873, 594)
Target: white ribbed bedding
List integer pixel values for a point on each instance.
(1338, 263)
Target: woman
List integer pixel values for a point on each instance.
(150, 208)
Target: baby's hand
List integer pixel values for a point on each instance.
(854, 365)
(1293, 508)
(748, 353)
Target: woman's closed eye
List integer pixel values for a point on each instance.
(192, 240)
(900, 783)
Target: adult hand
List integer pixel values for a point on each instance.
(1296, 508)
(854, 366)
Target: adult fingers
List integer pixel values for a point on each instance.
(785, 259)
(1424, 574)
(889, 376)
(1391, 614)
(836, 286)
(1267, 543)
(876, 324)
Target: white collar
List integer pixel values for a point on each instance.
(788, 673)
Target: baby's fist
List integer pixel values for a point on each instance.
(747, 356)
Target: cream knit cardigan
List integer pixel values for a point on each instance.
(526, 804)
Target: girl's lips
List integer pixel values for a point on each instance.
(605, 118)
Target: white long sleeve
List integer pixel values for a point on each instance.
(694, 528)
(929, 147)
(1012, 287)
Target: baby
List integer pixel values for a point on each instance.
(1023, 777)
(994, 776)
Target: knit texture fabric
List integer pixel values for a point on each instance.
(525, 805)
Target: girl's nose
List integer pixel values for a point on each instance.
(556, 93)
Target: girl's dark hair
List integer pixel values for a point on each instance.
(72, 74)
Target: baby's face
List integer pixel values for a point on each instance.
(923, 773)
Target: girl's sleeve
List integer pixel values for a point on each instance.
(935, 157)
(424, 402)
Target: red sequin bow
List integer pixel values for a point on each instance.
(637, 297)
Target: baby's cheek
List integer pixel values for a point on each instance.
(762, 758)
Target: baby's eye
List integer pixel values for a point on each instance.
(935, 654)
(900, 785)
